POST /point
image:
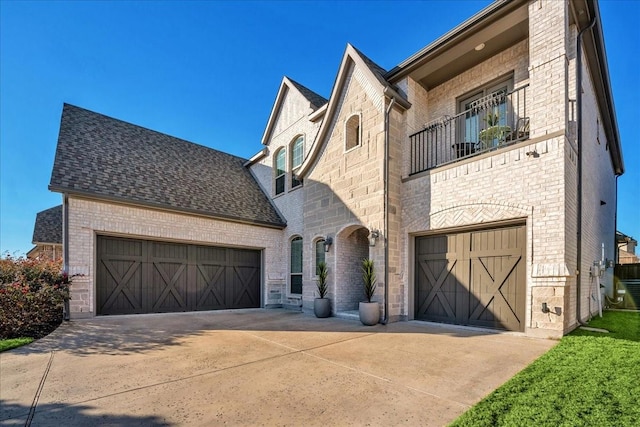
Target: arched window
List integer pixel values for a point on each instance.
(352, 132)
(296, 266)
(281, 157)
(320, 257)
(297, 154)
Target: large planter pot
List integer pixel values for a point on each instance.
(369, 313)
(322, 307)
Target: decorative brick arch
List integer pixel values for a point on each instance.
(476, 213)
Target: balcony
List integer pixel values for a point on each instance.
(487, 124)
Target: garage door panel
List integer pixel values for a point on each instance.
(485, 285)
(245, 279)
(210, 286)
(148, 276)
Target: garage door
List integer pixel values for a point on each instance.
(139, 276)
(472, 278)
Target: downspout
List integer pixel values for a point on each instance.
(65, 247)
(385, 320)
(579, 178)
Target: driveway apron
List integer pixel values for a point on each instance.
(255, 367)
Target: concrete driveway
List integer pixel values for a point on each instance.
(255, 367)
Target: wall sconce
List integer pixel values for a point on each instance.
(327, 243)
(373, 236)
(545, 308)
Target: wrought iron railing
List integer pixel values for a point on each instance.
(492, 122)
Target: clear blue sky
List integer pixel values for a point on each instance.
(208, 72)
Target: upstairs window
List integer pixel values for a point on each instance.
(352, 132)
(281, 157)
(297, 154)
(296, 266)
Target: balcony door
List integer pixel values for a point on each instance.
(484, 116)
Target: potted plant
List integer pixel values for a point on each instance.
(322, 305)
(369, 311)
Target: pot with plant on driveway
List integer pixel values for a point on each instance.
(369, 311)
(322, 305)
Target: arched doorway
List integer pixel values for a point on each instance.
(352, 246)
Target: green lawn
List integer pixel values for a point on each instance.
(13, 343)
(589, 378)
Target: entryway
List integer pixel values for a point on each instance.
(474, 278)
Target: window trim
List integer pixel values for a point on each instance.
(358, 132)
(319, 241)
(292, 167)
(291, 273)
(283, 175)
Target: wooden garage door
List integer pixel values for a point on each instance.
(138, 276)
(472, 278)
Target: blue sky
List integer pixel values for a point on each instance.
(208, 72)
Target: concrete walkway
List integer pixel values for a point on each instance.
(255, 367)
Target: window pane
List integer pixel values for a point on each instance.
(280, 162)
(296, 266)
(280, 184)
(296, 283)
(296, 255)
(294, 180)
(319, 253)
(297, 153)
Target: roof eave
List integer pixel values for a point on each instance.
(122, 201)
(449, 39)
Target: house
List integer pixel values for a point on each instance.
(626, 249)
(47, 235)
(460, 172)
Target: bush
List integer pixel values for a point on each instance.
(32, 296)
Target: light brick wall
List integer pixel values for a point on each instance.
(344, 191)
(508, 184)
(292, 120)
(599, 185)
(87, 218)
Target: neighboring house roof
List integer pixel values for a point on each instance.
(48, 226)
(105, 158)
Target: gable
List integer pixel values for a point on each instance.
(293, 103)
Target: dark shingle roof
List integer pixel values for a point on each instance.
(377, 70)
(316, 100)
(48, 226)
(110, 159)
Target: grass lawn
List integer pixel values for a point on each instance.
(589, 378)
(13, 343)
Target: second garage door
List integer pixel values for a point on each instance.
(472, 278)
(139, 276)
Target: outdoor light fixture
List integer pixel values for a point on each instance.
(327, 243)
(545, 308)
(373, 236)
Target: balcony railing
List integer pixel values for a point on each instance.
(492, 122)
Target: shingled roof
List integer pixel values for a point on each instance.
(106, 158)
(316, 100)
(48, 226)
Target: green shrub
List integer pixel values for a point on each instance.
(32, 295)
